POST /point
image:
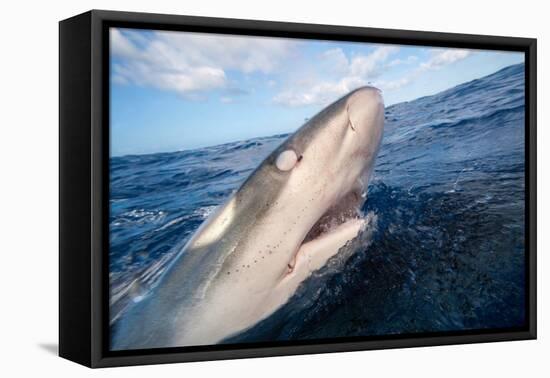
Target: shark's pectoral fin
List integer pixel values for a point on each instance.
(313, 255)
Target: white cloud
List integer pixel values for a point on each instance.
(120, 45)
(394, 84)
(439, 58)
(321, 93)
(334, 60)
(368, 66)
(190, 63)
(409, 60)
(363, 70)
(445, 57)
(358, 71)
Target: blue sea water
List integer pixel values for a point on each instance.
(446, 252)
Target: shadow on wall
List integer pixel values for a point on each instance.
(51, 348)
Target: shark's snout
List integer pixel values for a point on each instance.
(365, 106)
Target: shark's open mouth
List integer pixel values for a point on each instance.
(335, 225)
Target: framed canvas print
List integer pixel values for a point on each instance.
(234, 188)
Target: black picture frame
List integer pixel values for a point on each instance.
(84, 185)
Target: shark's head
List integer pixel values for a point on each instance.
(331, 157)
(296, 209)
(293, 213)
(314, 182)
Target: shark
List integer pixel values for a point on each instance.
(295, 211)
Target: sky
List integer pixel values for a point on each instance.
(174, 91)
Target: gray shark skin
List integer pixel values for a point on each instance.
(291, 215)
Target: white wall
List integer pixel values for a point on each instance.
(28, 127)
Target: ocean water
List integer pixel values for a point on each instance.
(445, 245)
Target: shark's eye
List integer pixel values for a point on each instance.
(286, 160)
